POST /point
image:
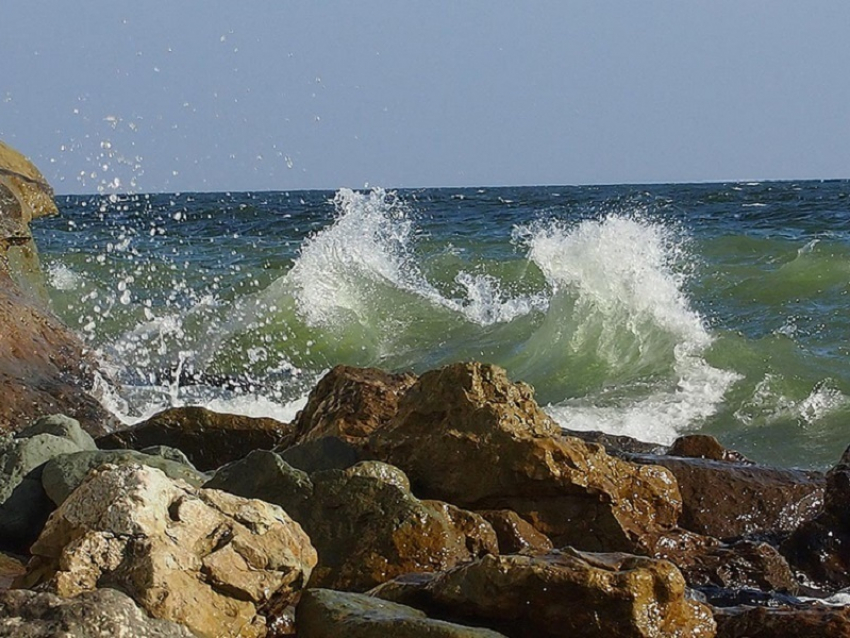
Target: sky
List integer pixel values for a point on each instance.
(155, 96)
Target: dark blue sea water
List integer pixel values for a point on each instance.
(650, 311)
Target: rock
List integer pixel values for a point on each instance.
(217, 563)
(325, 453)
(820, 548)
(467, 435)
(365, 524)
(24, 505)
(563, 593)
(43, 368)
(745, 564)
(351, 403)
(64, 473)
(515, 535)
(616, 444)
(727, 499)
(704, 446)
(10, 568)
(102, 613)
(783, 622)
(323, 613)
(209, 439)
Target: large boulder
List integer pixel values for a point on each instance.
(365, 524)
(467, 435)
(564, 593)
(730, 499)
(64, 473)
(102, 613)
(217, 563)
(351, 403)
(324, 613)
(24, 505)
(820, 547)
(209, 439)
(44, 368)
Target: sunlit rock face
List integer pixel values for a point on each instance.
(43, 369)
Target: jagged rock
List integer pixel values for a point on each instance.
(350, 403)
(10, 568)
(563, 593)
(324, 613)
(217, 563)
(24, 505)
(64, 473)
(821, 547)
(808, 621)
(515, 535)
(616, 444)
(102, 613)
(727, 499)
(43, 368)
(467, 435)
(209, 439)
(740, 565)
(364, 522)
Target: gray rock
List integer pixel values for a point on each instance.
(64, 473)
(103, 613)
(324, 613)
(24, 506)
(325, 453)
(168, 452)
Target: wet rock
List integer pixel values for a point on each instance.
(323, 613)
(325, 453)
(209, 439)
(365, 524)
(467, 435)
(784, 622)
(64, 473)
(351, 403)
(24, 505)
(745, 564)
(515, 535)
(43, 365)
(103, 613)
(563, 593)
(729, 499)
(616, 444)
(704, 446)
(217, 563)
(820, 548)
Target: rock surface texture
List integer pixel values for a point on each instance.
(563, 593)
(216, 563)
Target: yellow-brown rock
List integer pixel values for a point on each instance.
(217, 563)
(467, 435)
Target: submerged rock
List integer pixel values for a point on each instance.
(563, 593)
(467, 435)
(217, 563)
(323, 613)
(102, 613)
(209, 439)
(365, 524)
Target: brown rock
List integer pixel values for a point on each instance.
(704, 446)
(10, 568)
(783, 622)
(364, 522)
(564, 593)
(215, 562)
(821, 547)
(745, 564)
(466, 435)
(516, 536)
(209, 439)
(350, 403)
(729, 500)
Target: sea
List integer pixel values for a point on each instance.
(651, 311)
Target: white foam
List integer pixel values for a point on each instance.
(62, 277)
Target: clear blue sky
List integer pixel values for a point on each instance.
(212, 96)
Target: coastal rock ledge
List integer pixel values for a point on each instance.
(43, 367)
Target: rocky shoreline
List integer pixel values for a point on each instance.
(446, 504)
